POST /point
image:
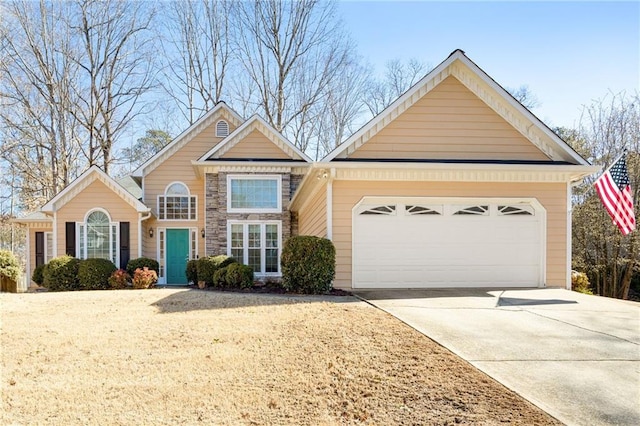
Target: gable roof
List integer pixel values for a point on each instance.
(84, 180)
(255, 123)
(220, 110)
(484, 87)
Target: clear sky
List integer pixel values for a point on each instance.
(568, 53)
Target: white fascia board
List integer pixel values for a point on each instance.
(51, 206)
(464, 171)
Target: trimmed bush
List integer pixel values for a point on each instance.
(93, 274)
(9, 266)
(220, 278)
(38, 274)
(580, 282)
(61, 274)
(119, 279)
(192, 271)
(141, 263)
(144, 278)
(238, 275)
(308, 264)
(207, 267)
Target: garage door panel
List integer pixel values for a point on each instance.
(406, 251)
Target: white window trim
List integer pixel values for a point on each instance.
(164, 196)
(48, 256)
(277, 178)
(245, 260)
(82, 254)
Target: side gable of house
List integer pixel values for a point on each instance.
(449, 122)
(255, 140)
(456, 112)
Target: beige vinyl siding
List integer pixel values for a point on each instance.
(312, 217)
(256, 145)
(97, 195)
(178, 168)
(449, 122)
(346, 194)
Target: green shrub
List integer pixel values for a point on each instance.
(207, 267)
(144, 278)
(308, 264)
(580, 282)
(93, 274)
(38, 274)
(141, 263)
(192, 271)
(220, 278)
(9, 266)
(238, 275)
(119, 279)
(61, 274)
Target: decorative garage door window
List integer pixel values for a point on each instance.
(515, 210)
(473, 210)
(423, 210)
(380, 210)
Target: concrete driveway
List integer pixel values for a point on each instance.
(573, 355)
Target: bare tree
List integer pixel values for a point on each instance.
(197, 46)
(290, 51)
(523, 95)
(398, 78)
(118, 65)
(341, 110)
(608, 126)
(40, 136)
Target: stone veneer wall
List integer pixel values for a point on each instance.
(216, 215)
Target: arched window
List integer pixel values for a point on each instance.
(177, 203)
(222, 129)
(98, 237)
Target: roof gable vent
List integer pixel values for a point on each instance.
(222, 129)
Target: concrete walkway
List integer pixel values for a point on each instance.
(573, 355)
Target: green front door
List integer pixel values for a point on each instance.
(177, 255)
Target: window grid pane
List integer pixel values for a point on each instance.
(81, 232)
(98, 236)
(49, 247)
(114, 243)
(254, 193)
(271, 260)
(161, 260)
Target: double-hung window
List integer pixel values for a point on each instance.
(256, 244)
(177, 203)
(254, 194)
(98, 237)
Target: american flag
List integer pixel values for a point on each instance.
(615, 192)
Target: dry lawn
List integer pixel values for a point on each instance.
(141, 357)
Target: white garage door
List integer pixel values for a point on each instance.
(418, 243)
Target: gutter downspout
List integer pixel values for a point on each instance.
(140, 219)
(330, 204)
(570, 186)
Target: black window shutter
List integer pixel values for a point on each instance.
(39, 248)
(70, 238)
(124, 245)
